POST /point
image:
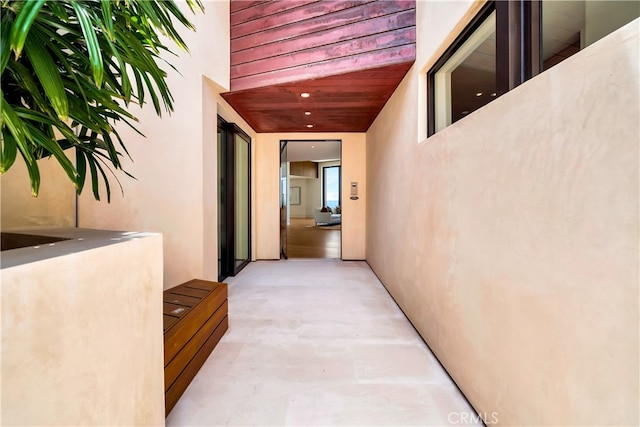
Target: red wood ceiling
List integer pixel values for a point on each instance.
(348, 55)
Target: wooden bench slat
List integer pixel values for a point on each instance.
(174, 309)
(181, 332)
(172, 298)
(190, 292)
(168, 321)
(195, 319)
(178, 363)
(180, 385)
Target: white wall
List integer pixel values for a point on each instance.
(510, 239)
(267, 210)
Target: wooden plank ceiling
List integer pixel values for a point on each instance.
(349, 56)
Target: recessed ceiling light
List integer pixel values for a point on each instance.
(493, 94)
(305, 95)
(479, 94)
(313, 146)
(307, 113)
(309, 126)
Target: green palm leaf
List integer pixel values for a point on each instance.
(8, 152)
(83, 62)
(5, 45)
(13, 123)
(81, 167)
(18, 134)
(22, 24)
(92, 42)
(107, 17)
(52, 147)
(48, 74)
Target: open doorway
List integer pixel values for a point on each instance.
(312, 195)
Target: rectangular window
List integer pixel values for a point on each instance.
(466, 81)
(465, 77)
(331, 186)
(507, 43)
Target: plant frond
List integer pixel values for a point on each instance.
(24, 19)
(76, 66)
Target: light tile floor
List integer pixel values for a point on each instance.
(318, 342)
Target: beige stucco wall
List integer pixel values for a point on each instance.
(167, 194)
(175, 190)
(82, 332)
(54, 206)
(267, 199)
(354, 215)
(214, 42)
(510, 239)
(267, 205)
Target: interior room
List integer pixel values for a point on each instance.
(314, 228)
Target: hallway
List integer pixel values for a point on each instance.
(318, 342)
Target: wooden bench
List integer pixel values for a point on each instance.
(195, 318)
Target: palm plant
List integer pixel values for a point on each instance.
(70, 69)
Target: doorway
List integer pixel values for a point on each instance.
(311, 198)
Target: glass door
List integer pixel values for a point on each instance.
(234, 199)
(284, 190)
(242, 201)
(222, 202)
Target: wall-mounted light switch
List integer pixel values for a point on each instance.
(354, 191)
